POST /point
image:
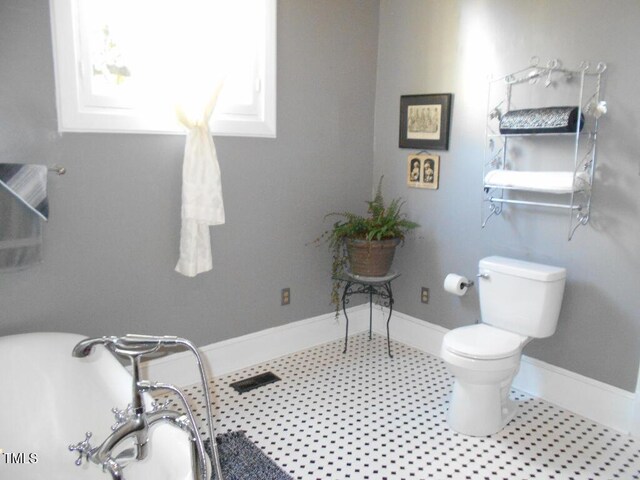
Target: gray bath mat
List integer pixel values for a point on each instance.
(241, 459)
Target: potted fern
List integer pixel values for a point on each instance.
(365, 245)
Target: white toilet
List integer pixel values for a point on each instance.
(519, 301)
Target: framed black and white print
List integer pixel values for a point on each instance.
(423, 171)
(424, 121)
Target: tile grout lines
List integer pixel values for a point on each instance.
(362, 415)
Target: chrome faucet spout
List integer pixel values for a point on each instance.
(113, 468)
(136, 426)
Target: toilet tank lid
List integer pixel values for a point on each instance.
(521, 268)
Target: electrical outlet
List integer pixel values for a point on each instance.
(285, 296)
(424, 295)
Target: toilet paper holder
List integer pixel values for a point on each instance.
(471, 283)
(457, 284)
(468, 284)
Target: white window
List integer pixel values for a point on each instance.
(125, 65)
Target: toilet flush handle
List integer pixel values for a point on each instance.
(483, 275)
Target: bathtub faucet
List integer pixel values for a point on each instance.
(85, 347)
(134, 422)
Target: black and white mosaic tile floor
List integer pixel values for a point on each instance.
(363, 415)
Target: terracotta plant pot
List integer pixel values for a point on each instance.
(371, 258)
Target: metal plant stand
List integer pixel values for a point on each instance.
(379, 286)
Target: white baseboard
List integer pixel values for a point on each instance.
(598, 401)
(237, 353)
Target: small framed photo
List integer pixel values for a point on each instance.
(423, 171)
(425, 121)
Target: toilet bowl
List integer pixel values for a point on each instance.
(519, 301)
(484, 360)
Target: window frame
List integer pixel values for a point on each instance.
(74, 116)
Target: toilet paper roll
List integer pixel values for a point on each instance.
(456, 284)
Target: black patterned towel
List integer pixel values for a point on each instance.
(542, 120)
(29, 185)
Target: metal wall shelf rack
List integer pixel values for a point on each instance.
(582, 86)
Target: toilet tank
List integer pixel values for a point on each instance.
(521, 297)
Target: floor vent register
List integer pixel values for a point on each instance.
(242, 386)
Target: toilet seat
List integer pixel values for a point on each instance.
(483, 342)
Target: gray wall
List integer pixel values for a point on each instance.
(452, 46)
(112, 241)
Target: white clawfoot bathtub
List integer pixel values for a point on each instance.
(50, 399)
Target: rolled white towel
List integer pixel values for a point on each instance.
(545, 182)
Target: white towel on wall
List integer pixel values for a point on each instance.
(544, 182)
(202, 204)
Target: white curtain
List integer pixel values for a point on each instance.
(202, 204)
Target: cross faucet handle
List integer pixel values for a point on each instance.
(83, 448)
(157, 406)
(122, 416)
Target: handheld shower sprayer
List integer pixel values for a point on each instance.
(85, 347)
(128, 345)
(168, 340)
